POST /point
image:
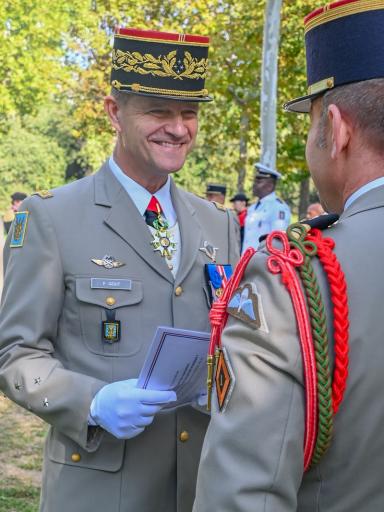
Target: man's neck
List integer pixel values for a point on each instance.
(266, 195)
(152, 183)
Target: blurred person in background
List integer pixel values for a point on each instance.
(240, 204)
(269, 212)
(16, 199)
(216, 192)
(314, 210)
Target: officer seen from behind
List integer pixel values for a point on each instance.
(297, 417)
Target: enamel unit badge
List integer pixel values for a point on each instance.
(19, 229)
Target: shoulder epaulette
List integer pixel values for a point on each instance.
(290, 254)
(44, 194)
(322, 221)
(219, 206)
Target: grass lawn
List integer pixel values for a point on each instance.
(21, 445)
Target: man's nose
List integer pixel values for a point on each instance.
(176, 126)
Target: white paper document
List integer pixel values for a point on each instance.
(177, 360)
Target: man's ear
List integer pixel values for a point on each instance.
(112, 108)
(340, 130)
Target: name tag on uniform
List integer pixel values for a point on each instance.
(111, 284)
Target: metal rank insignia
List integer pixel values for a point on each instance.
(44, 194)
(111, 331)
(209, 250)
(108, 262)
(19, 228)
(224, 379)
(217, 277)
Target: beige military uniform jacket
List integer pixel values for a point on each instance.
(252, 458)
(53, 359)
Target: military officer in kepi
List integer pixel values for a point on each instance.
(297, 415)
(216, 192)
(93, 268)
(269, 212)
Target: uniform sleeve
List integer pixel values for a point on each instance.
(32, 301)
(281, 217)
(252, 457)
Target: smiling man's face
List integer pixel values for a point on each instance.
(155, 135)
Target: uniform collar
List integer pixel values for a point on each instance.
(269, 197)
(362, 190)
(140, 195)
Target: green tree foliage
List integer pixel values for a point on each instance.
(29, 161)
(54, 72)
(31, 52)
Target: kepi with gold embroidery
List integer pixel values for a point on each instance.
(344, 43)
(160, 64)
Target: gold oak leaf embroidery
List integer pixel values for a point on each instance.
(160, 66)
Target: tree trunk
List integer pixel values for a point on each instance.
(271, 39)
(244, 127)
(304, 198)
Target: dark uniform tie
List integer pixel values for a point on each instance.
(153, 211)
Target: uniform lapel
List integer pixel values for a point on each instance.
(190, 232)
(124, 219)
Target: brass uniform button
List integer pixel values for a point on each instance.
(110, 301)
(178, 291)
(76, 457)
(184, 436)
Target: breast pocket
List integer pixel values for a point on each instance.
(119, 307)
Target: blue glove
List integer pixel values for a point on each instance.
(125, 410)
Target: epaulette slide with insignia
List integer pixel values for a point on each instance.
(322, 221)
(44, 194)
(220, 206)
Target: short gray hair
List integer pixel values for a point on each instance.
(363, 103)
(121, 98)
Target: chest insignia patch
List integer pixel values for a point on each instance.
(108, 262)
(19, 229)
(246, 305)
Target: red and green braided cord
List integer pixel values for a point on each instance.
(296, 234)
